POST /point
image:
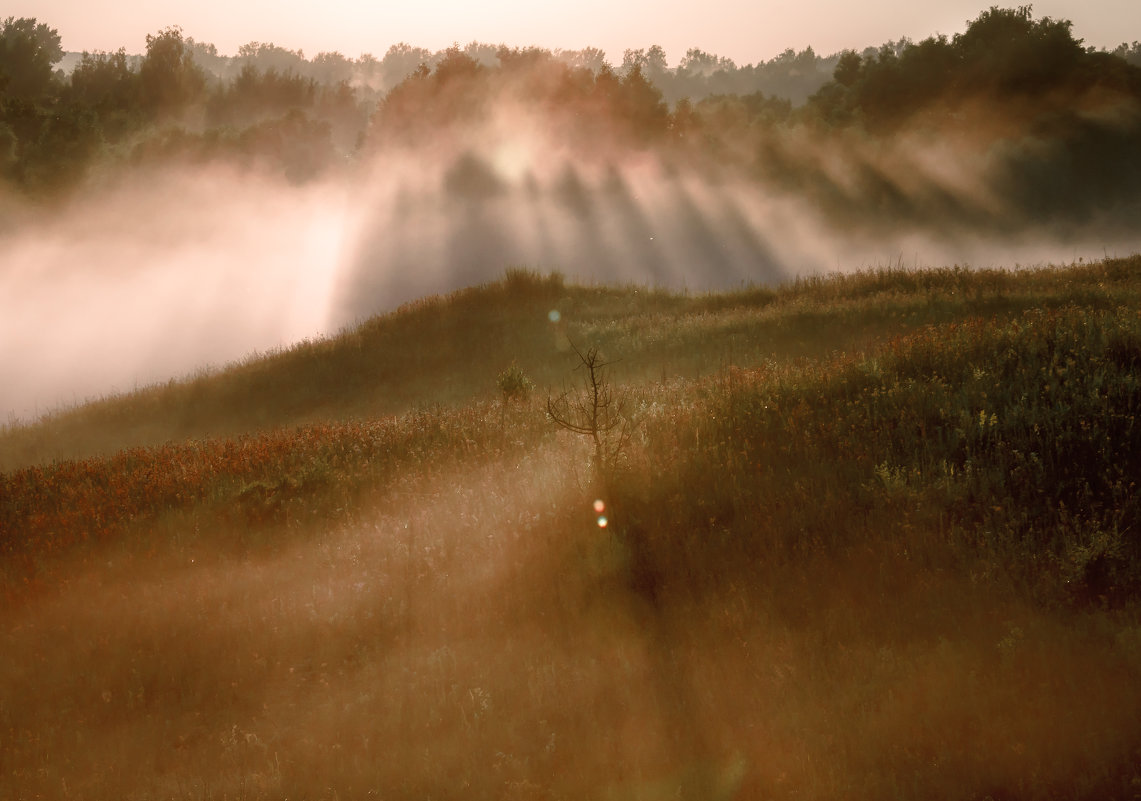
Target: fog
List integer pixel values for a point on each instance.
(475, 629)
(163, 273)
(153, 228)
(158, 277)
(738, 601)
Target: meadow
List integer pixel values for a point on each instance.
(870, 536)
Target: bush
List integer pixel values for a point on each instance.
(514, 384)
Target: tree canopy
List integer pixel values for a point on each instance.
(28, 51)
(1053, 127)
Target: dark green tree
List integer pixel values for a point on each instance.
(28, 51)
(254, 96)
(69, 139)
(105, 84)
(1009, 52)
(848, 68)
(169, 78)
(643, 107)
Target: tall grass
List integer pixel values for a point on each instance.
(874, 537)
(448, 350)
(1014, 438)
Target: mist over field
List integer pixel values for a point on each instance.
(179, 211)
(158, 278)
(511, 424)
(163, 275)
(195, 208)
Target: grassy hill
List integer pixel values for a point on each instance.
(870, 536)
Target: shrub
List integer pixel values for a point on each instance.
(514, 384)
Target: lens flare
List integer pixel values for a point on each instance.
(599, 506)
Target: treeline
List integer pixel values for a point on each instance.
(113, 109)
(1004, 56)
(1056, 126)
(792, 75)
(64, 113)
(1010, 123)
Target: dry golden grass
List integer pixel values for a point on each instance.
(795, 596)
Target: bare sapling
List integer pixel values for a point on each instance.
(595, 411)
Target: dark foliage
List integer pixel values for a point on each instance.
(1050, 129)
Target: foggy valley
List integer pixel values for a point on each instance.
(163, 275)
(264, 207)
(513, 423)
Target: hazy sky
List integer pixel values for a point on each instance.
(745, 30)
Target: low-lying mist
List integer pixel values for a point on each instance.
(162, 226)
(169, 272)
(858, 538)
(159, 276)
(432, 226)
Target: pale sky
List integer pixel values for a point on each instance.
(747, 31)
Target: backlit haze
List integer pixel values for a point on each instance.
(746, 32)
(154, 274)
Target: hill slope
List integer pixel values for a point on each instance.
(868, 536)
(449, 350)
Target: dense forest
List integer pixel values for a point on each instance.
(1011, 121)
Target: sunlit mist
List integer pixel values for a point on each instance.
(500, 423)
(258, 206)
(160, 277)
(169, 274)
